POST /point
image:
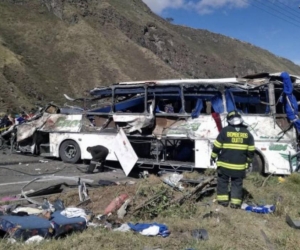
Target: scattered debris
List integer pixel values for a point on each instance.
(129, 183)
(150, 229)
(34, 239)
(59, 205)
(73, 212)
(122, 211)
(82, 190)
(199, 189)
(116, 204)
(144, 174)
(173, 180)
(200, 234)
(83, 203)
(9, 198)
(292, 223)
(265, 181)
(123, 228)
(43, 161)
(267, 240)
(11, 240)
(152, 248)
(27, 210)
(266, 209)
(147, 200)
(106, 183)
(23, 193)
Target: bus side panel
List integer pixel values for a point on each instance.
(203, 127)
(265, 128)
(276, 157)
(55, 140)
(83, 140)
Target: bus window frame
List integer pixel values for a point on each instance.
(129, 87)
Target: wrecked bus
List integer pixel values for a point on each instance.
(173, 123)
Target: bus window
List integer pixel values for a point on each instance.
(167, 99)
(199, 101)
(129, 100)
(251, 102)
(103, 104)
(278, 101)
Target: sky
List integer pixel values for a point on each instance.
(273, 25)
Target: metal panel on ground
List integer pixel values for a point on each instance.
(124, 152)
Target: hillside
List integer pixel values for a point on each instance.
(51, 47)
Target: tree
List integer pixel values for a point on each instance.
(170, 19)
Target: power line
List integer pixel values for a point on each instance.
(278, 10)
(296, 11)
(270, 13)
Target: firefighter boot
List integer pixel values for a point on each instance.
(235, 206)
(223, 203)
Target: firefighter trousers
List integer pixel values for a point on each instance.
(235, 195)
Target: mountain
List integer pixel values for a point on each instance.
(52, 47)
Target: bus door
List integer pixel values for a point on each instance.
(203, 149)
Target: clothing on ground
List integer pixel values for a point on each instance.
(72, 212)
(140, 227)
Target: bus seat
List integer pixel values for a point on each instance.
(197, 109)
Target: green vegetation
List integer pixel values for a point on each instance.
(78, 45)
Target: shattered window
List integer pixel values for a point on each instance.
(198, 99)
(251, 102)
(166, 99)
(102, 104)
(278, 101)
(129, 100)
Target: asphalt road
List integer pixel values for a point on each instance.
(16, 170)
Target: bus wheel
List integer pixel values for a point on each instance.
(69, 151)
(257, 165)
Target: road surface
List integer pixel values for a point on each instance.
(16, 170)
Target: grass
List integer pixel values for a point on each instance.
(228, 229)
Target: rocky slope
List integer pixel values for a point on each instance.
(51, 47)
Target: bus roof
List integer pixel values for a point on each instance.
(245, 82)
(261, 78)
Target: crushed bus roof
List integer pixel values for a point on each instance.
(246, 82)
(250, 79)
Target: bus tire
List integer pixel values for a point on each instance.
(257, 164)
(69, 151)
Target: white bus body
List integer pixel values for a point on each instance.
(173, 123)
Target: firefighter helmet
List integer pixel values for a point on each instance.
(234, 118)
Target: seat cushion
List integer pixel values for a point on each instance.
(24, 227)
(64, 225)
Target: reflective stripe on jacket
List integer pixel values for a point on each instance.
(234, 148)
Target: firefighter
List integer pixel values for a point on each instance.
(99, 154)
(234, 151)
